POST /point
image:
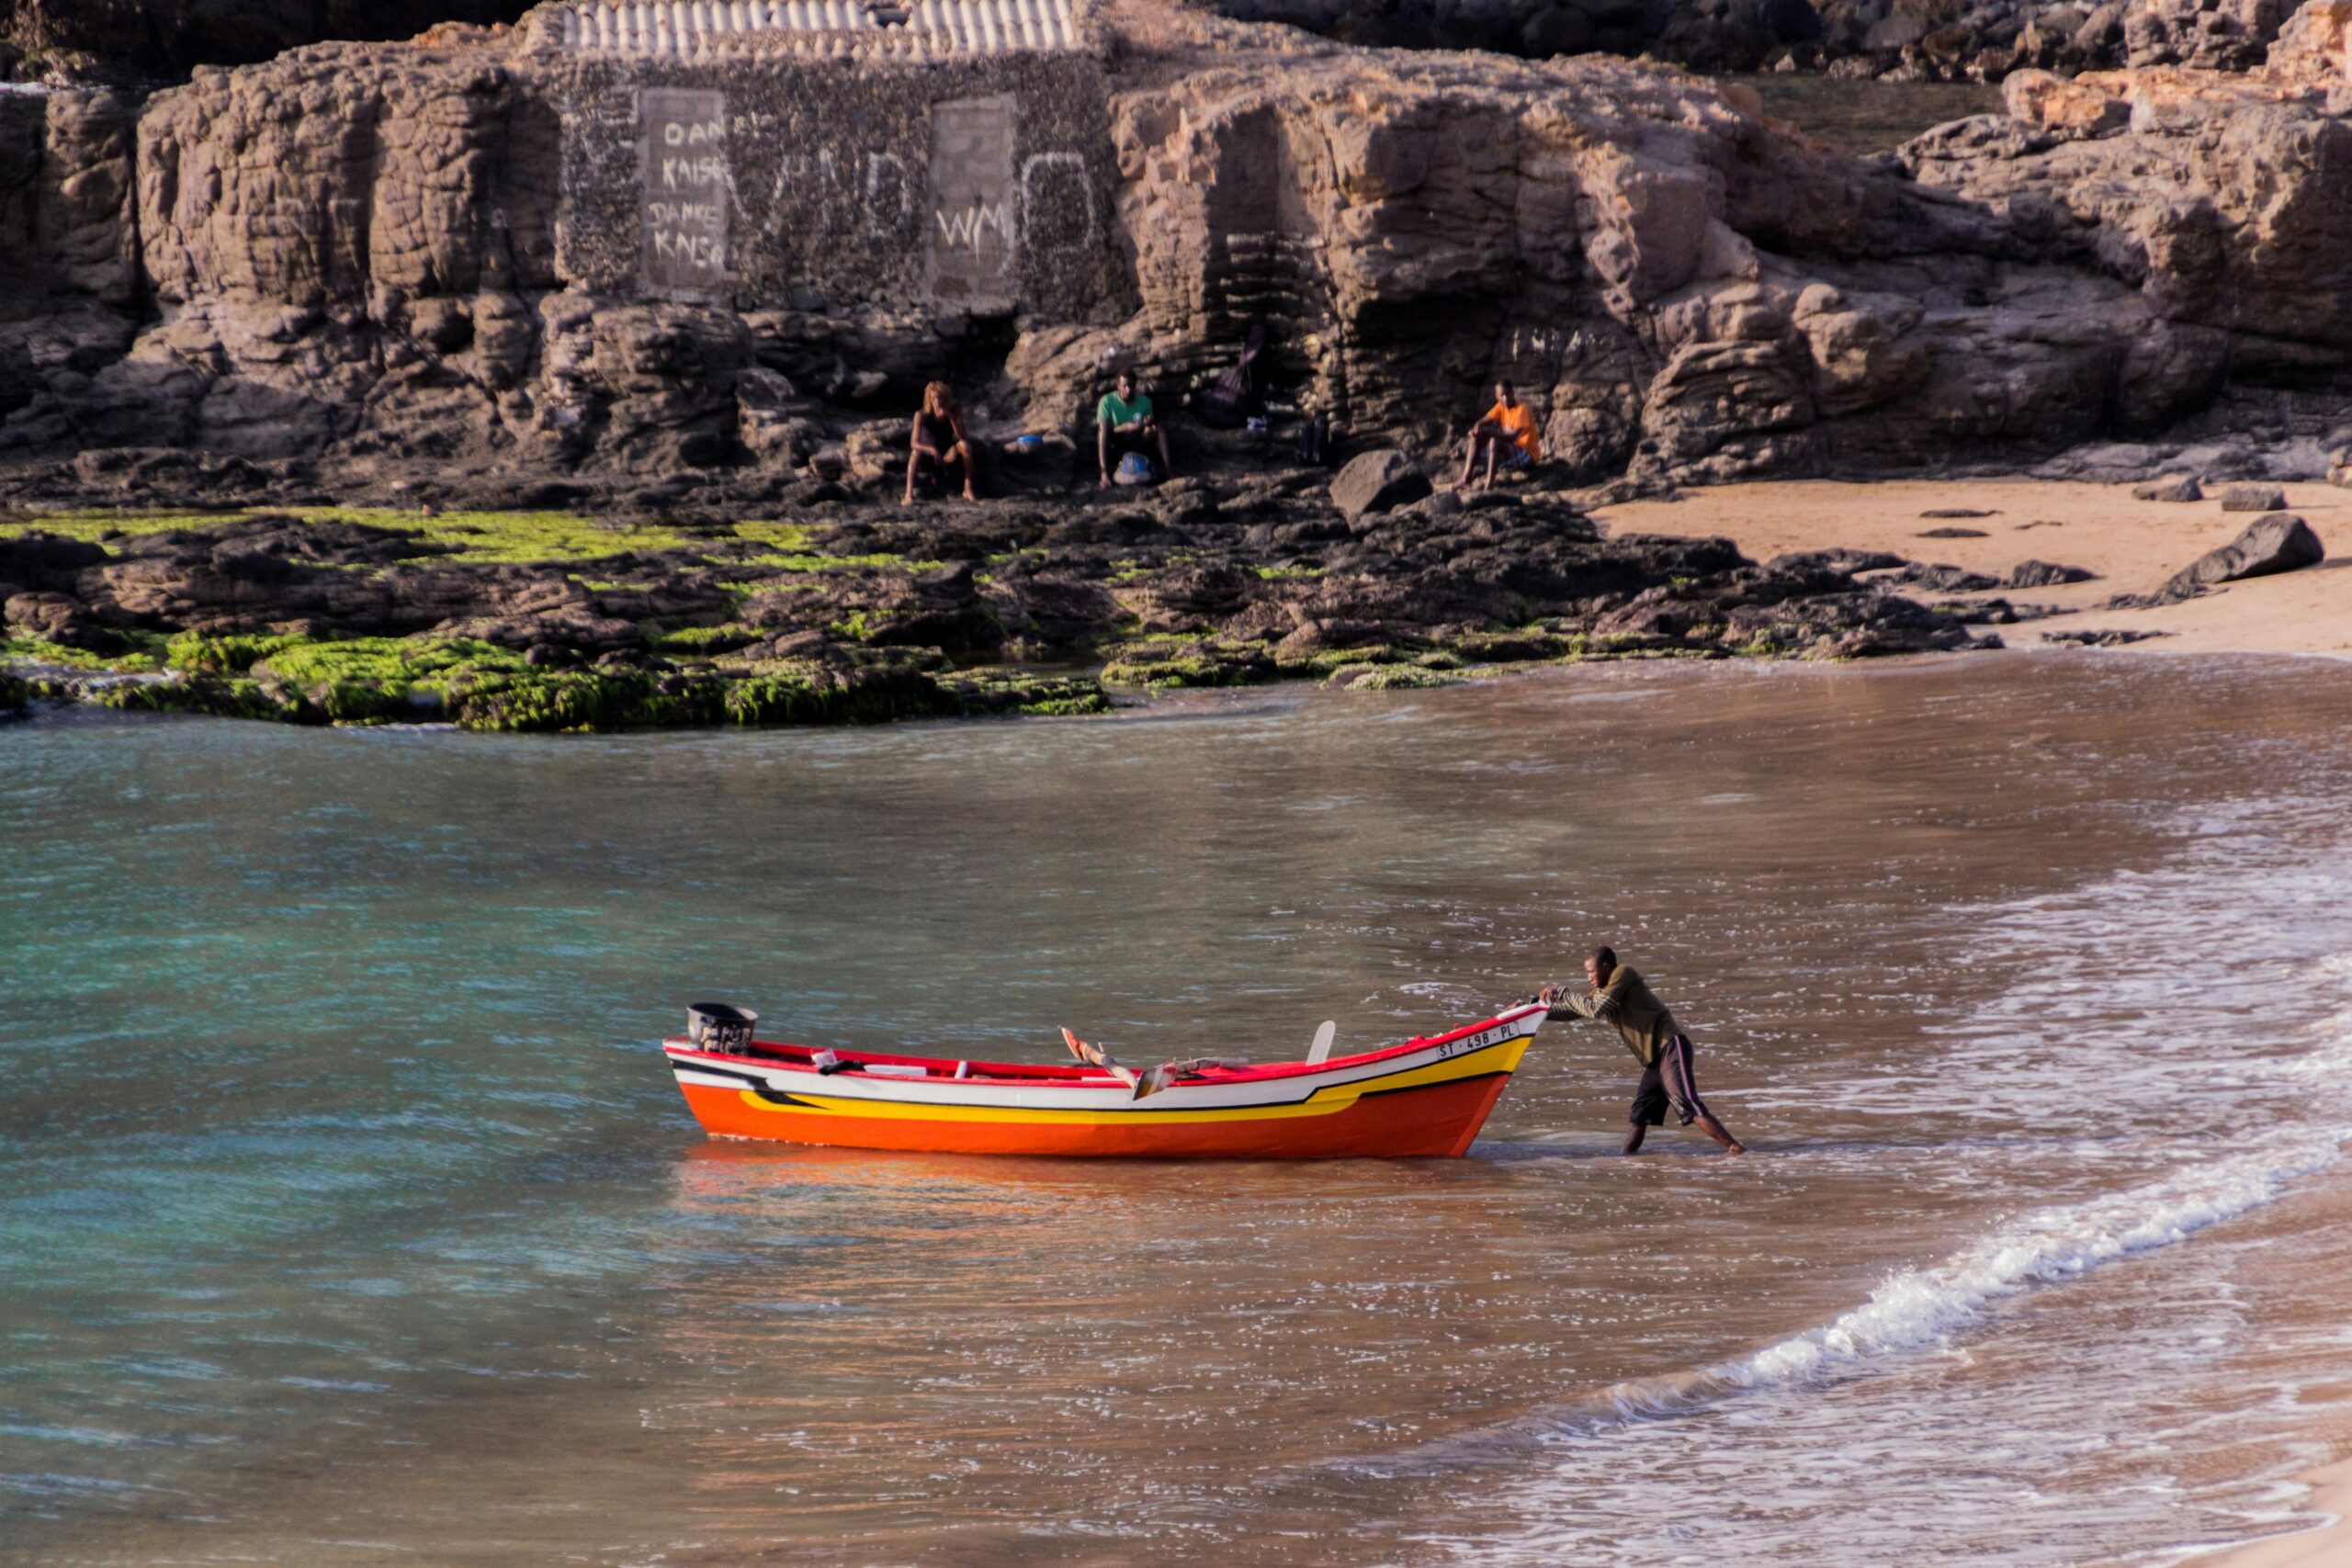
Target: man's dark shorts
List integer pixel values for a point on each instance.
(1669, 1081)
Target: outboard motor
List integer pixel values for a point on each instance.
(715, 1026)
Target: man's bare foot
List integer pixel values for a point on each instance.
(1735, 1147)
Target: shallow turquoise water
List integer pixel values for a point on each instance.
(344, 1206)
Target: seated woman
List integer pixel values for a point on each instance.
(1506, 435)
(940, 441)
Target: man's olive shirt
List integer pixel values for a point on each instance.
(1640, 1018)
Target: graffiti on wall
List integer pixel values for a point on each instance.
(983, 223)
(970, 245)
(702, 197)
(852, 193)
(686, 188)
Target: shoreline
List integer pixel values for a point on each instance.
(2315, 1546)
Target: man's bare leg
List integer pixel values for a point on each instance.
(1633, 1139)
(1102, 452)
(1494, 450)
(1716, 1129)
(1469, 458)
(1167, 463)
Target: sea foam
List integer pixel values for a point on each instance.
(1921, 1307)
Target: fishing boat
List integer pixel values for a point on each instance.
(1427, 1096)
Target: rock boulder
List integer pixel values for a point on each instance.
(62, 619)
(2046, 574)
(2273, 545)
(2254, 498)
(2172, 487)
(1378, 481)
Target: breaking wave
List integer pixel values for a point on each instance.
(1921, 1307)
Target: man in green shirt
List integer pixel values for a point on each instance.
(1123, 424)
(1618, 997)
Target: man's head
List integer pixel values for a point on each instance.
(1125, 386)
(1506, 394)
(1599, 963)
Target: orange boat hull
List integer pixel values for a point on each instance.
(1436, 1119)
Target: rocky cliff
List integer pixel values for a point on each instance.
(354, 269)
(124, 39)
(121, 40)
(1898, 39)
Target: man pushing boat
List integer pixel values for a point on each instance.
(1618, 996)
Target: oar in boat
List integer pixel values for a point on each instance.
(1095, 1057)
(1159, 1078)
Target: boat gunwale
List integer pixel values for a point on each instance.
(679, 1050)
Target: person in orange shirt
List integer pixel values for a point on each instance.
(1507, 435)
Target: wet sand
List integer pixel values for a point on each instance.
(2330, 1544)
(2313, 1501)
(2132, 546)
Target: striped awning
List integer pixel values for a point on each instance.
(905, 28)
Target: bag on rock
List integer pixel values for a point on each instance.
(1135, 468)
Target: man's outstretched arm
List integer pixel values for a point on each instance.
(1567, 1003)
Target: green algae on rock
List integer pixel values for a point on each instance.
(347, 616)
(487, 536)
(479, 686)
(1176, 665)
(1390, 677)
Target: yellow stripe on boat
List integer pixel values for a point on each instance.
(1323, 1102)
(1467, 1065)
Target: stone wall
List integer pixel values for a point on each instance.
(976, 187)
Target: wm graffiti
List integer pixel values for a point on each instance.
(967, 230)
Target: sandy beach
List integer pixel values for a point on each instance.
(2330, 1544)
(2132, 545)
